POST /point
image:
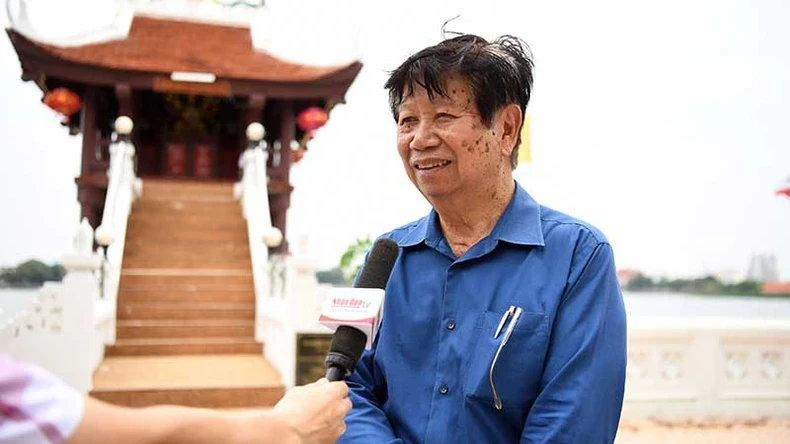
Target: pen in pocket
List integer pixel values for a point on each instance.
(505, 316)
(512, 325)
(514, 313)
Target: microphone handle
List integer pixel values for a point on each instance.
(334, 373)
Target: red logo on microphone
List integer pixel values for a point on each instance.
(350, 303)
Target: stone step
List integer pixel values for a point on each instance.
(171, 254)
(236, 397)
(209, 196)
(182, 346)
(166, 254)
(163, 184)
(224, 249)
(188, 235)
(187, 208)
(226, 214)
(154, 187)
(186, 328)
(186, 293)
(177, 310)
(185, 276)
(203, 244)
(229, 381)
(143, 223)
(194, 261)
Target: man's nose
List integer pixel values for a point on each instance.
(424, 136)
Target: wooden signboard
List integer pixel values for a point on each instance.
(311, 350)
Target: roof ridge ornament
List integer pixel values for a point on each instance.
(116, 28)
(246, 3)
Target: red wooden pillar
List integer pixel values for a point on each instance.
(92, 184)
(280, 187)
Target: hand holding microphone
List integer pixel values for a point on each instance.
(355, 313)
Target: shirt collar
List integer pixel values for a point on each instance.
(520, 224)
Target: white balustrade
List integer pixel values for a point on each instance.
(295, 313)
(122, 189)
(707, 368)
(253, 191)
(65, 327)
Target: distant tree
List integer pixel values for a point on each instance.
(31, 273)
(352, 258)
(745, 288)
(334, 276)
(640, 282)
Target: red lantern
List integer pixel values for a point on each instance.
(311, 119)
(297, 155)
(63, 101)
(784, 190)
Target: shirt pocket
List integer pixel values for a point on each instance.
(518, 368)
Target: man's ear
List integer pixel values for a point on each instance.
(510, 119)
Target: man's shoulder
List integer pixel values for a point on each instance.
(406, 232)
(561, 226)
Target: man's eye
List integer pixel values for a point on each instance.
(444, 116)
(407, 120)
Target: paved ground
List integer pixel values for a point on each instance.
(760, 431)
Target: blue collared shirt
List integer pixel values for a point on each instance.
(561, 374)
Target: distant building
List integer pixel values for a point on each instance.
(626, 274)
(776, 288)
(763, 268)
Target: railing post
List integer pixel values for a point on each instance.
(78, 296)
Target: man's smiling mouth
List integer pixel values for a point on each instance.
(431, 165)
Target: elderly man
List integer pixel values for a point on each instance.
(503, 321)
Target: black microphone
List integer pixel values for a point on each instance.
(348, 342)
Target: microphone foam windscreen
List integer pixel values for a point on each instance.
(348, 341)
(377, 269)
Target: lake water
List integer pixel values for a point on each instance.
(680, 305)
(661, 305)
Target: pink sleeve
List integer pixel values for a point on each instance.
(36, 406)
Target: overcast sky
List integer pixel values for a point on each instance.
(664, 124)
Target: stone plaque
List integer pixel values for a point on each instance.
(311, 350)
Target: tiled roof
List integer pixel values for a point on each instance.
(164, 46)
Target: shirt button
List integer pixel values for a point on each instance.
(451, 325)
(443, 390)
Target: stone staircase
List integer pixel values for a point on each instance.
(186, 305)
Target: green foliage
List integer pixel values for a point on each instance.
(334, 276)
(701, 285)
(31, 273)
(640, 282)
(352, 258)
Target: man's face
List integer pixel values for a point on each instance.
(445, 147)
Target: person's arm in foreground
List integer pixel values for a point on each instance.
(37, 407)
(583, 382)
(310, 414)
